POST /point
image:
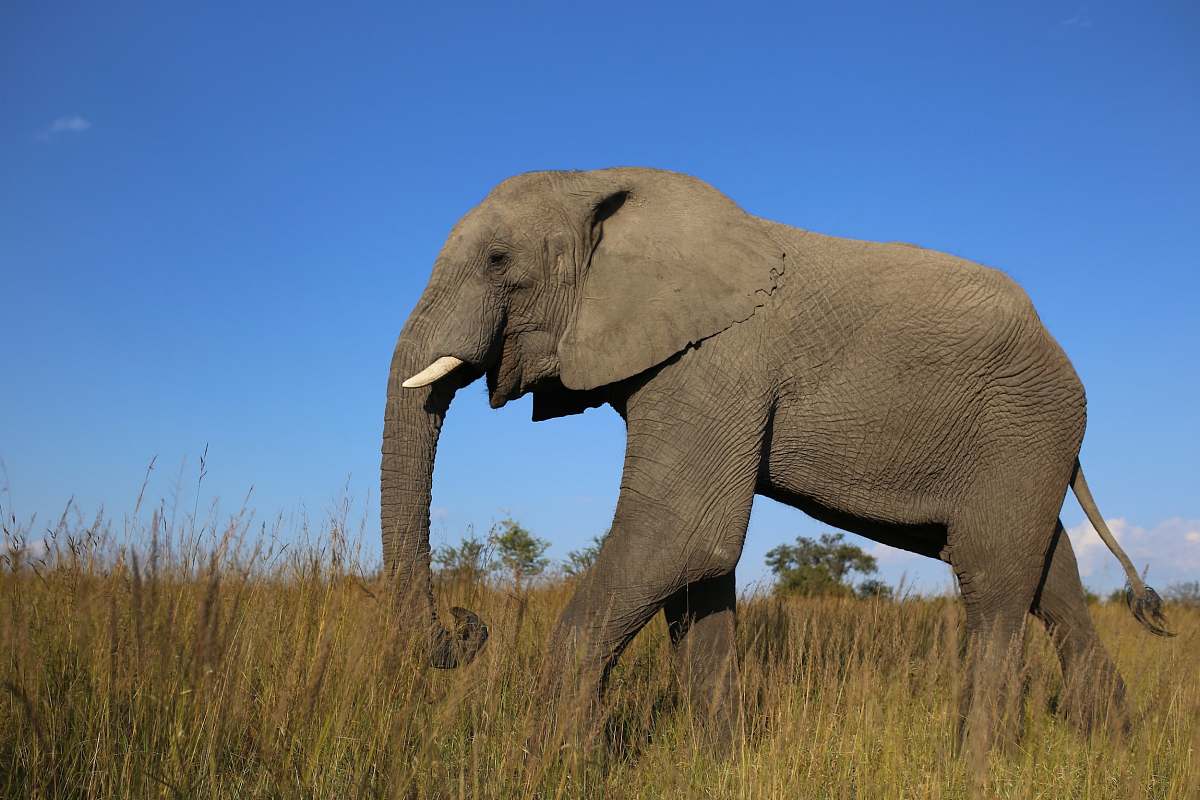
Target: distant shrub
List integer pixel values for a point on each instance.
(519, 553)
(468, 561)
(823, 567)
(1185, 593)
(579, 561)
(874, 589)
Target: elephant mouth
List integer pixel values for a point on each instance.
(523, 360)
(505, 374)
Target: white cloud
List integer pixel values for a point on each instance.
(73, 123)
(1171, 550)
(1081, 19)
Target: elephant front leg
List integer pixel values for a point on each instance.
(681, 518)
(702, 623)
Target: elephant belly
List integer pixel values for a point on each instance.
(924, 538)
(881, 459)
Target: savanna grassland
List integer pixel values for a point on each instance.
(154, 658)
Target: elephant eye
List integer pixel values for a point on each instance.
(497, 259)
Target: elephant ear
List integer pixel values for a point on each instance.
(671, 265)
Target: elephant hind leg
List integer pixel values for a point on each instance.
(1093, 693)
(995, 550)
(993, 655)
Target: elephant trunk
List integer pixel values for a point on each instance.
(412, 423)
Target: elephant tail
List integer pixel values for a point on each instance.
(1143, 601)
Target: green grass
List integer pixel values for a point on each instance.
(207, 667)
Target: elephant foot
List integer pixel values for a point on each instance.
(566, 721)
(718, 723)
(991, 702)
(1095, 704)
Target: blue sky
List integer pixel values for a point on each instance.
(213, 223)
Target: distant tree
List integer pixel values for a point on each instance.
(1115, 596)
(578, 561)
(818, 567)
(518, 552)
(468, 561)
(1090, 596)
(1185, 593)
(874, 589)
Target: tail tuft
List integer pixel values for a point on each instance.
(1147, 609)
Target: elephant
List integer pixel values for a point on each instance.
(903, 394)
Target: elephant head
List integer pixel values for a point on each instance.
(562, 284)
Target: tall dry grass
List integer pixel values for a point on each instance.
(191, 659)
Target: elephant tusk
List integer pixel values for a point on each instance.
(434, 372)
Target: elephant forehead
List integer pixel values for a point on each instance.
(528, 183)
(478, 227)
(542, 197)
(512, 224)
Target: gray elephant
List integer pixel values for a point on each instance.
(899, 393)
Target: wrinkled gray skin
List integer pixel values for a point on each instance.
(900, 393)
